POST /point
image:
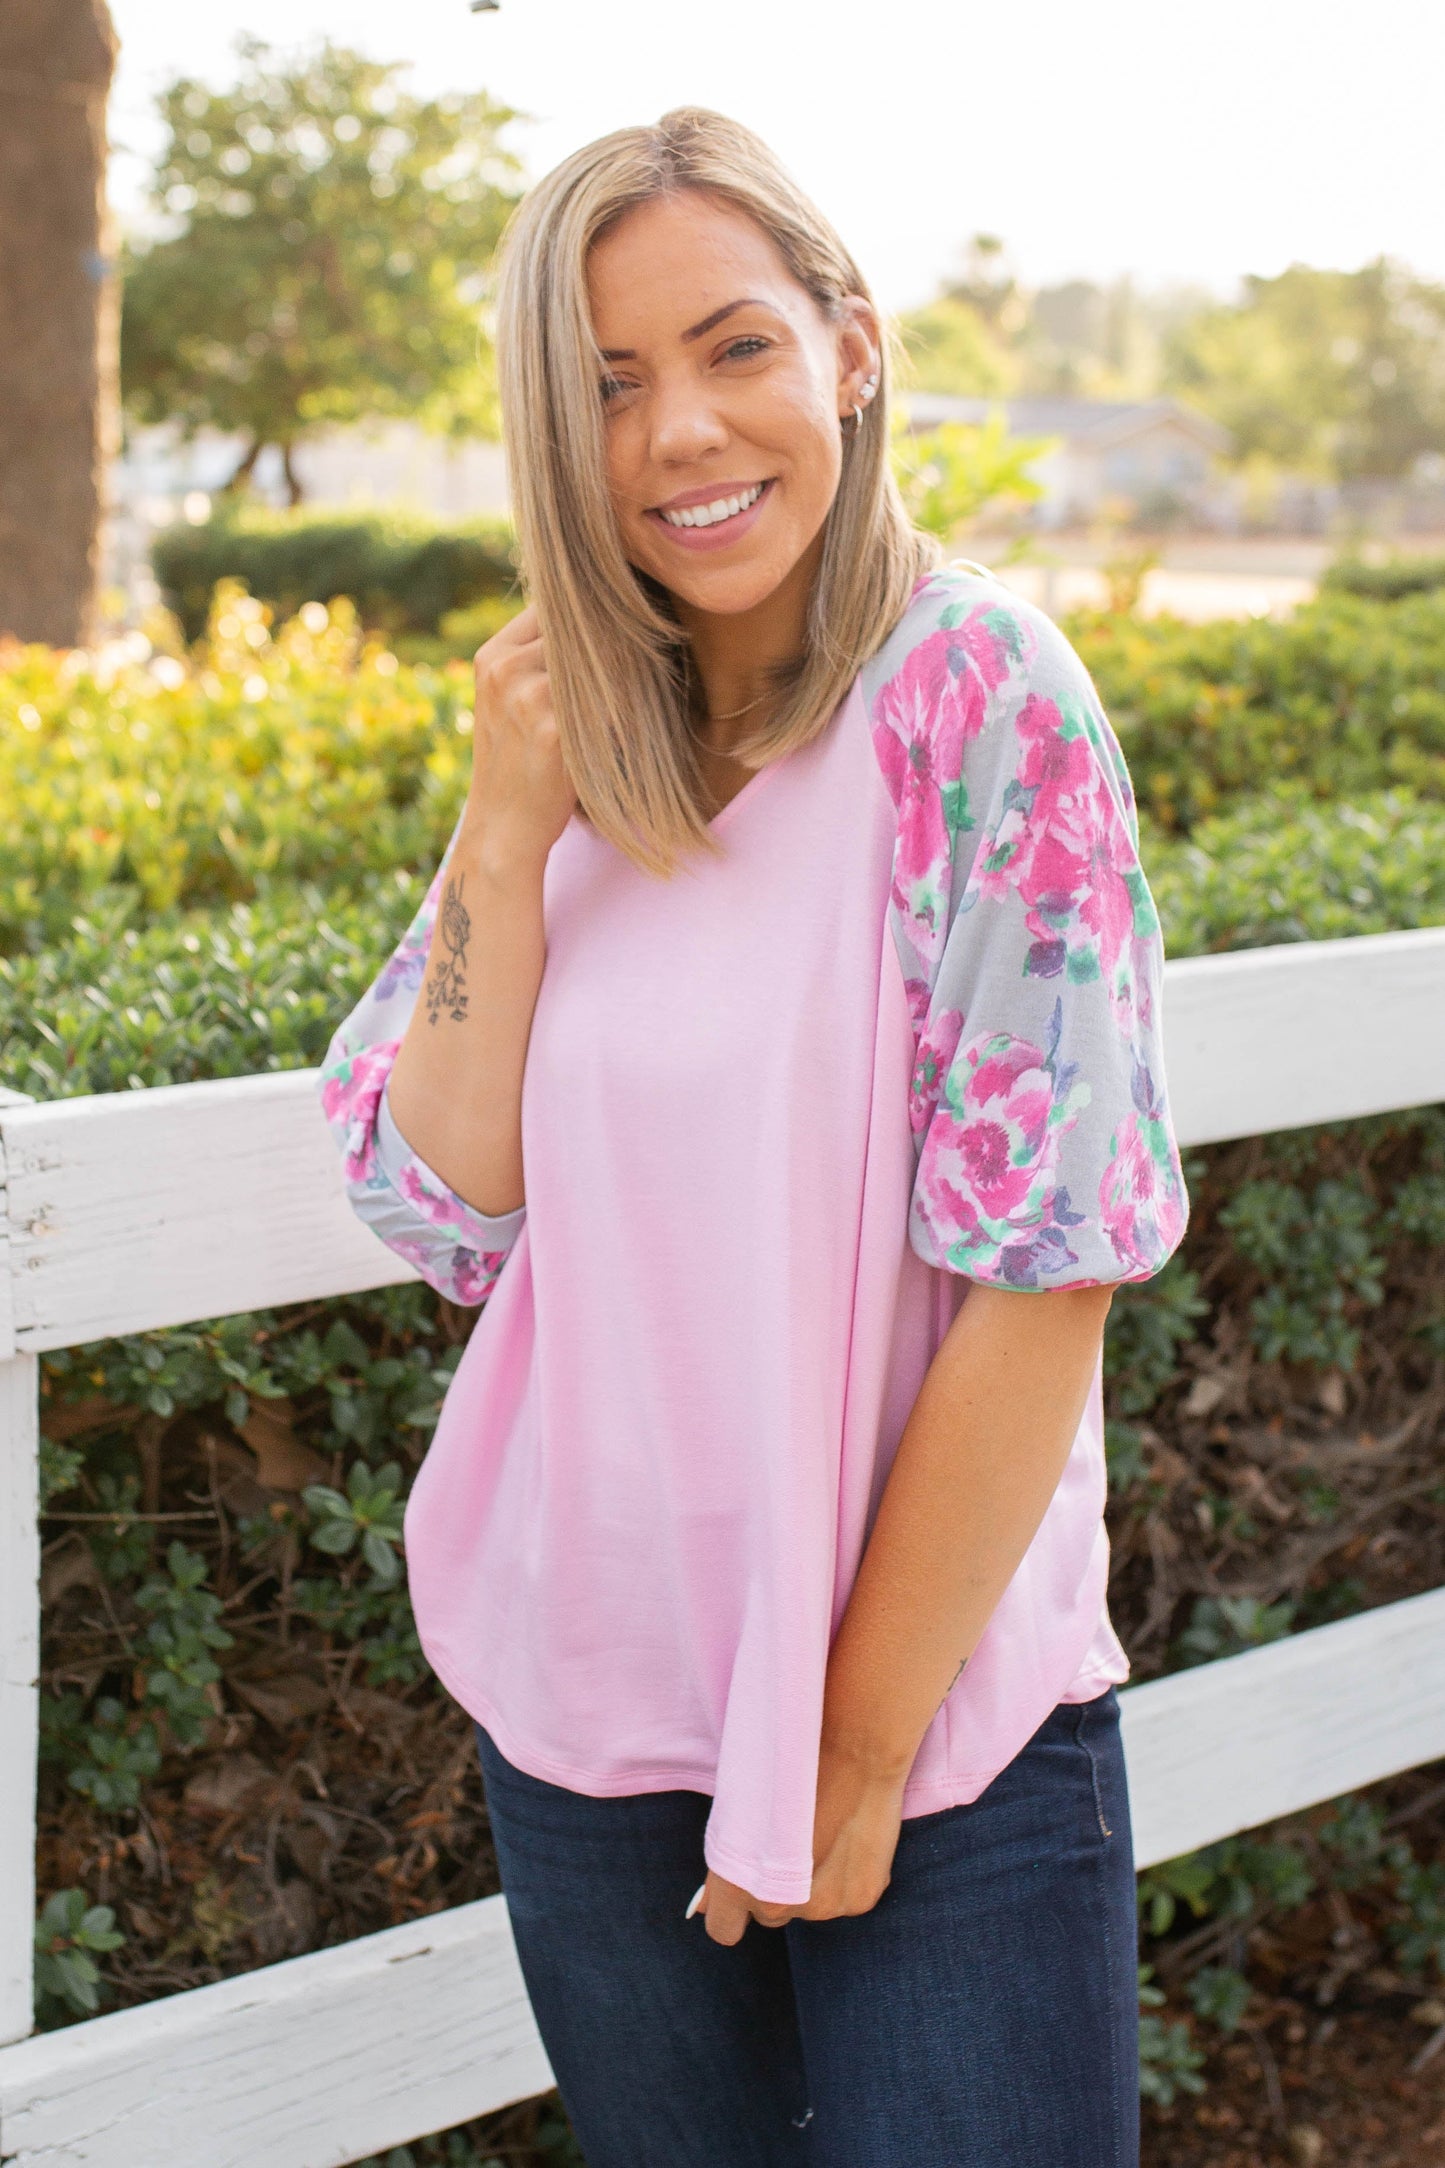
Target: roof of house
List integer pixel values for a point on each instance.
(1095, 422)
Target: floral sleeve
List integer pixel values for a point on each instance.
(457, 1250)
(1031, 948)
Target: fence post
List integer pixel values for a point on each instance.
(19, 1643)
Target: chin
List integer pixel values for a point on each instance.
(722, 590)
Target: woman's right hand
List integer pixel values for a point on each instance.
(520, 796)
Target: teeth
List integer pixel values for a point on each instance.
(708, 515)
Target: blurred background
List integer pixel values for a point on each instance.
(1175, 294)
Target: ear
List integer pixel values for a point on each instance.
(860, 355)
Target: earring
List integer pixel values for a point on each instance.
(857, 420)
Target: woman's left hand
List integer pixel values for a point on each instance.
(855, 1834)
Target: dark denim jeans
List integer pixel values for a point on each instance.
(984, 2014)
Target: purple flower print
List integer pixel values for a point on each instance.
(1141, 1195)
(1066, 845)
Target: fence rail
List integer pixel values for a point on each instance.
(138, 1210)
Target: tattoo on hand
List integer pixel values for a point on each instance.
(446, 993)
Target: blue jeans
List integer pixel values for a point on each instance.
(984, 2014)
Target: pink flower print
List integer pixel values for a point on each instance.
(1066, 845)
(924, 717)
(936, 1039)
(350, 1094)
(1142, 1205)
(988, 1192)
(996, 640)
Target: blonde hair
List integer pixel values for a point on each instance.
(617, 657)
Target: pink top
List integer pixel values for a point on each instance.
(763, 1163)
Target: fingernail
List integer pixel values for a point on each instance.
(696, 1900)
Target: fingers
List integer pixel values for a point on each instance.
(727, 1909)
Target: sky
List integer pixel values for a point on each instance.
(1181, 143)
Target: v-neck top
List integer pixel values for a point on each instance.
(898, 1034)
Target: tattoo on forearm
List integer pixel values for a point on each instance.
(446, 992)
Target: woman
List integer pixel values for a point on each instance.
(790, 977)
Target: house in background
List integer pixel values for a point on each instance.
(1154, 455)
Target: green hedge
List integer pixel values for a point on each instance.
(404, 574)
(1386, 582)
(257, 762)
(1346, 696)
(127, 1000)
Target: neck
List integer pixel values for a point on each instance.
(734, 655)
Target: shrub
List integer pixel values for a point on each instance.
(1345, 697)
(403, 573)
(196, 994)
(310, 756)
(1279, 867)
(1387, 582)
(69, 1935)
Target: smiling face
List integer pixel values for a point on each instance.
(722, 390)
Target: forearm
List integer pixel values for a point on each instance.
(978, 1462)
(455, 1090)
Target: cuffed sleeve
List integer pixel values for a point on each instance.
(1046, 1153)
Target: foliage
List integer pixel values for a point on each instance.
(1169, 2062)
(69, 1935)
(1385, 582)
(178, 1643)
(1345, 697)
(365, 1516)
(1148, 1324)
(1281, 867)
(948, 347)
(310, 756)
(1338, 372)
(324, 238)
(1227, 1625)
(194, 994)
(402, 572)
(1317, 1253)
(951, 474)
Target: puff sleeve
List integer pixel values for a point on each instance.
(457, 1250)
(1046, 1156)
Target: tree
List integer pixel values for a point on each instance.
(950, 348)
(1331, 372)
(321, 255)
(57, 309)
(951, 475)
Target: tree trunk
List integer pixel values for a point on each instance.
(58, 315)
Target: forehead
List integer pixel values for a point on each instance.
(669, 262)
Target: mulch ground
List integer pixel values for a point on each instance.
(1345, 2090)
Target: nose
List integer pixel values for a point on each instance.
(685, 422)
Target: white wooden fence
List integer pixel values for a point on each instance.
(151, 1208)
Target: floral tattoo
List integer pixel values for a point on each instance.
(446, 989)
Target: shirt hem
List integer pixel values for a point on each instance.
(772, 1884)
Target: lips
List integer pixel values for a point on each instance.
(710, 519)
(712, 511)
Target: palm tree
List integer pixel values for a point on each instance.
(57, 314)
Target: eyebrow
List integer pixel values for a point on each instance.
(695, 331)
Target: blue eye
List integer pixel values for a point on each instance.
(747, 346)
